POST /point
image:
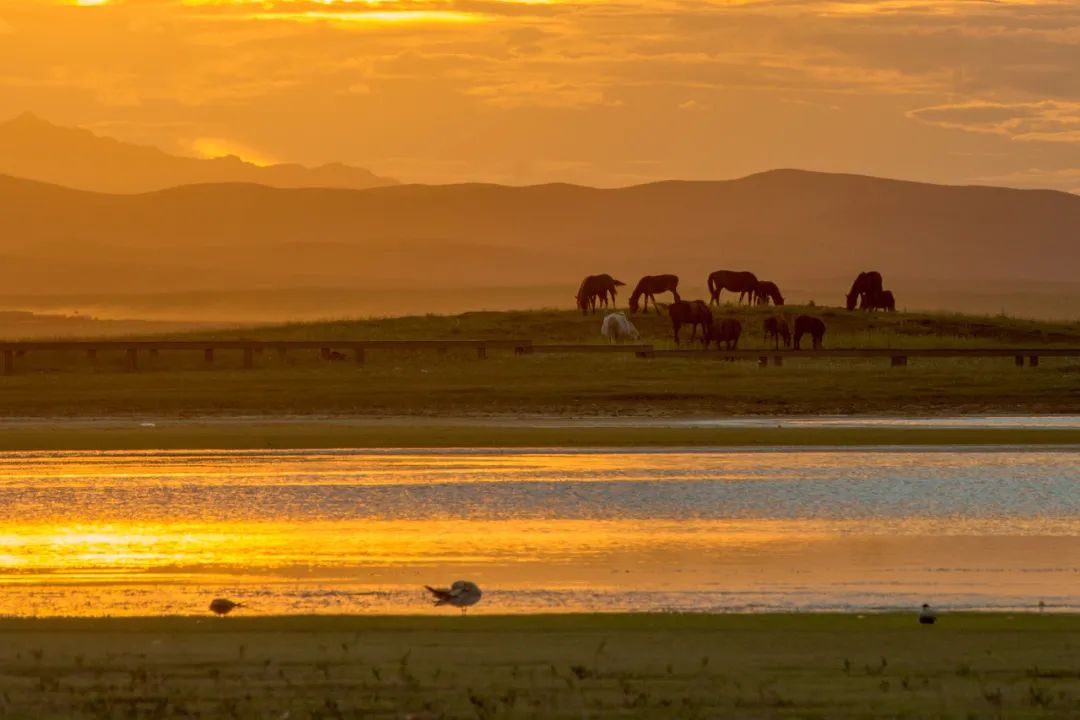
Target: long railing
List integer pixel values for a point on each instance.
(135, 350)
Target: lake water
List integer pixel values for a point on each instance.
(120, 533)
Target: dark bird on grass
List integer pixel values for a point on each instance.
(927, 616)
(221, 606)
(461, 594)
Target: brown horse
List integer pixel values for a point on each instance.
(777, 329)
(743, 283)
(595, 287)
(766, 291)
(726, 331)
(882, 300)
(805, 324)
(693, 313)
(651, 285)
(866, 282)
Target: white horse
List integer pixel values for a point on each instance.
(617, 327)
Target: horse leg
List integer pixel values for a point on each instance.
(676, 327)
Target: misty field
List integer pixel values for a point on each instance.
(424, 383)
(573, 666)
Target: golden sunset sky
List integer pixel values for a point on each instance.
(602, 92)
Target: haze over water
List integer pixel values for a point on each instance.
(96, 533)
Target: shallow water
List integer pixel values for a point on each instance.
(360, 531)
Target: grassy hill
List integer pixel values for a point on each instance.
(424, 383)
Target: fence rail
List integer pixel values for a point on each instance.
(336, 349)
(328, 349)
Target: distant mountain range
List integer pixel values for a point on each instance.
(790, 226)
(36, 149)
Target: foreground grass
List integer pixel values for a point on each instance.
(648, 666)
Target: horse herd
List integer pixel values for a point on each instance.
(596, 290)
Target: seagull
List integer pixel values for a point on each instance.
(927, 616)
(461, 594)
(221, 606)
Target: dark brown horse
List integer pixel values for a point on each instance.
(726, 331)
(882, 300)
(743, 283)
(805, 324)
(693, 313)
(651, 285)
(593, 288)
(766, 291)
(777, 329)
(866, 282)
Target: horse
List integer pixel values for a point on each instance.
(727, 331)
(649, 286)
(743, 283)
(882, 300)
(866, 282)
(766, 291)
(693, 313)
(594, 287)
(616, 328)
(777, 329)
(814, 326)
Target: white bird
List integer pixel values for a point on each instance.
(461, 594)
(927, 616)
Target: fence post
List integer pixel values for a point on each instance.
(208, 356)
(249, 358)
(358, 355)
(1033, 361)
(1019, 361)
(132, 359)
(9, 362)
(899, 360)
(481, 351)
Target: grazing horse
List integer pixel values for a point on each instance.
(766, 291)
(616, 328)
(814, 326)
(743, 283)
(693, 313)
(651, 285)
(865, 283)
(726, 331)
(882, 300)
(777, 329)
(595, 287)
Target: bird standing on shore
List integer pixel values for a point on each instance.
(927, 616)
(222, 606)
(461, 594)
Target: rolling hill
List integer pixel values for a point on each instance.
(801, 229)
(31, 147)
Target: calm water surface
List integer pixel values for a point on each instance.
(359, 531)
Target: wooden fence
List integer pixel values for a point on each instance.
(328, 349)
(133, 350)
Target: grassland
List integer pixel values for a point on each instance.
(422, 384)
(595, 666)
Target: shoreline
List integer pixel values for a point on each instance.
(293, 432)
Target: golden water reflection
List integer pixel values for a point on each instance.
(151, 533)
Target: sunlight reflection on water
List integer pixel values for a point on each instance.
(344, 531)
